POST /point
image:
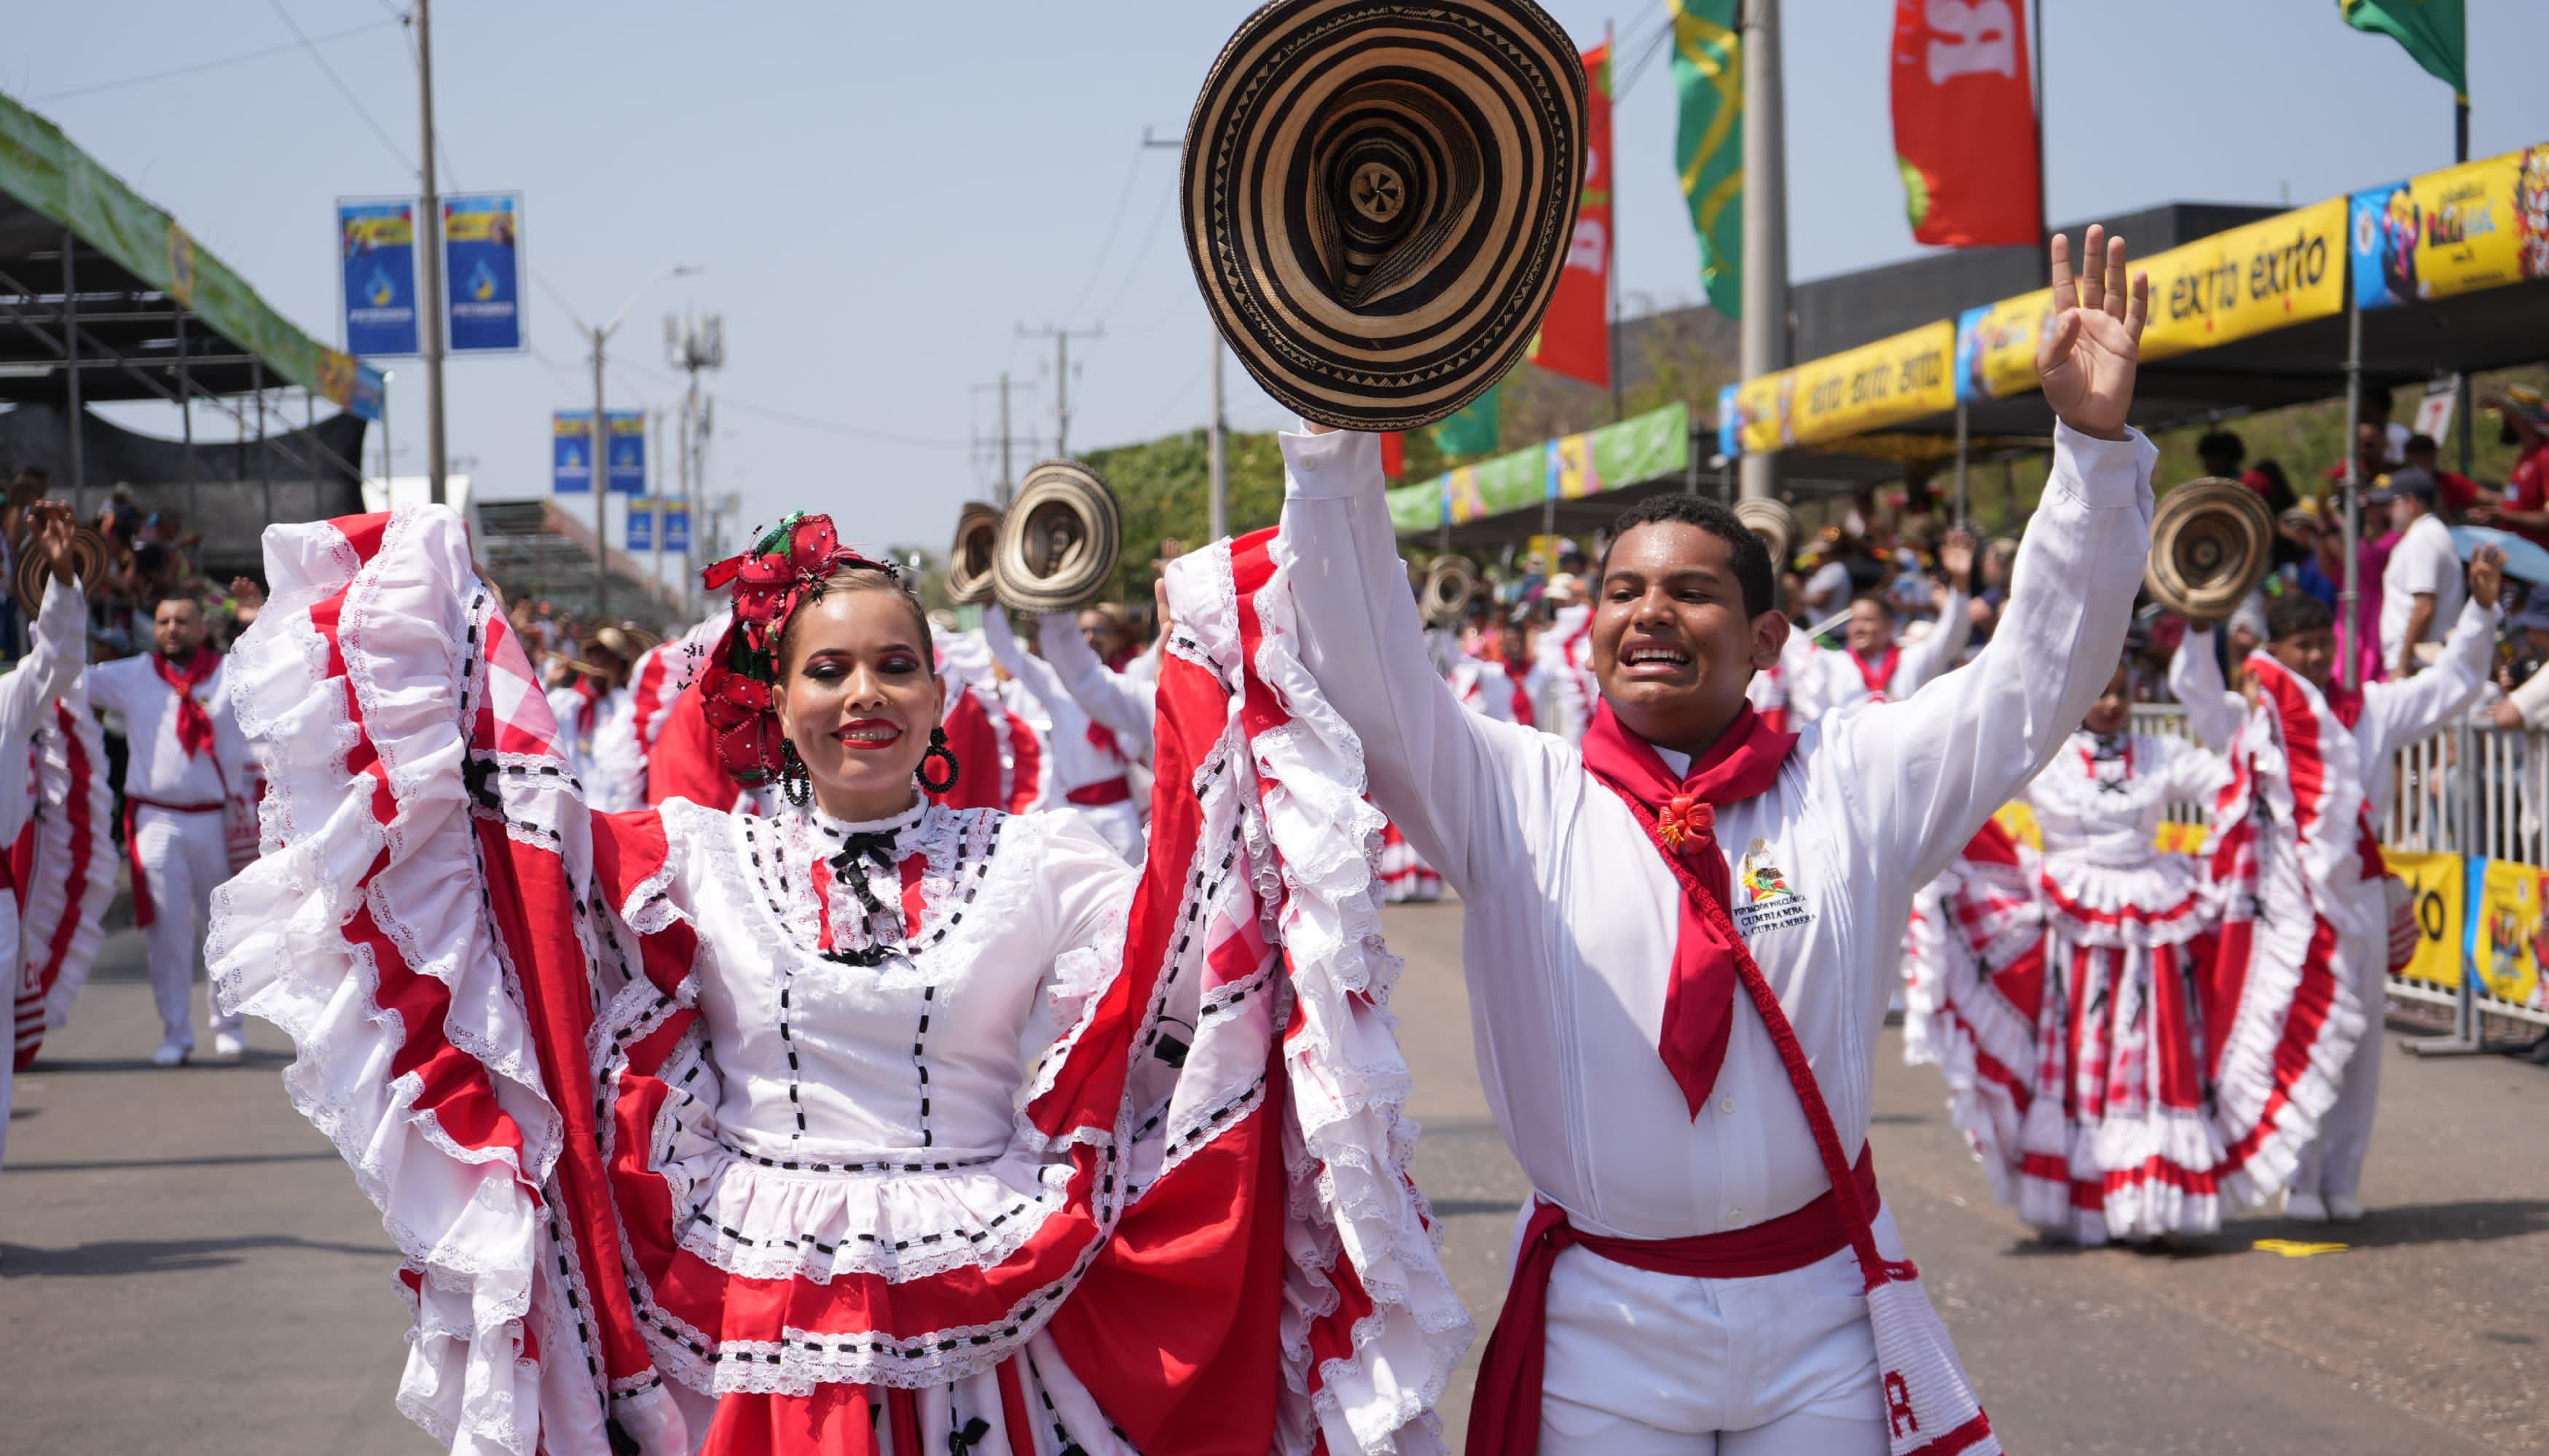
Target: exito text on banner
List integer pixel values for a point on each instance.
(481, 271)
(2288, 270)
(376, 251)
(1893, 379)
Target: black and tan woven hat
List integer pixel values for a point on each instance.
(1379, 196)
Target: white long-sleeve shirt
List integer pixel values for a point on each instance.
(1572, 915)
(1121, 702)
(1835, 680)
(2395, 713)
(158, 766)
(50, 668)
(1076, 757)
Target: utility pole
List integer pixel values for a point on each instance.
(1007, 485)
(429, 244)
(655, 485)
(601, 464)
(1765, 223)
(1062, 338)
(693, 343)
(1218, 453)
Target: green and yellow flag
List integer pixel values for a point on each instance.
(1708, 66)
(1477, 430)
(2436, 32)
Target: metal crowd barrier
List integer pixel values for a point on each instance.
(2470, 789)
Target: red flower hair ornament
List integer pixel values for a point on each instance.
(785, 569)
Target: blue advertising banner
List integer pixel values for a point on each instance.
(628, 452)
(677, 526)
(1729, 423)
(376, 247)
(481, 271)
(641, 525)
(2382, 225)
(1970, 384)
(571, 451)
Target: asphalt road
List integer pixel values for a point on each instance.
(184, 1263)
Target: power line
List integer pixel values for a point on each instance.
(1097, 267)
(217, 62)
(340, 83)
(807, 421)
(1653, 45)
(1133, 274)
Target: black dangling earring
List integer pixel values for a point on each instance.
(938, 749)
(793, 784)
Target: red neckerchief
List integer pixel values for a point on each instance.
(1682, 816)
(2346, 703)
(588, 692)
(1879, 677)
(194, 725)
(1521, 697)
(1103, 738)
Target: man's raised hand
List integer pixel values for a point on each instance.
(2087, 362)
(53, 539)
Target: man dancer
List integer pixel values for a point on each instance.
(1647, 1098)
(1088, 764)
(2382, 717)
(185, 763)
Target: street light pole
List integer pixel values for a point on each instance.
(430, 241)
(1217, 459)
(601, 463)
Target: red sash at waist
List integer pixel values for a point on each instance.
(1504, 1420)
(1115, 790)
(147, 802)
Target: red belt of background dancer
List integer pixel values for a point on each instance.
(144, 912)
(1511, 1370)
(1115, 790)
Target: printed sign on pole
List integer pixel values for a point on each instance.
(376, 250)
(641, 524)
(629, 451)
(571, 452)
(677, 526)
(481, 271)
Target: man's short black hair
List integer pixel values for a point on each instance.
(2422, 445)
(1753, 570)
(2296, 612)
(2223, 443)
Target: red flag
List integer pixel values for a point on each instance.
(1393, 455)
(1575, 333)
(1964, 123)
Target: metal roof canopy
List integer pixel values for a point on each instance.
(533, 550)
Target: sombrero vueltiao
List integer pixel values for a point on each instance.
(1378, 196)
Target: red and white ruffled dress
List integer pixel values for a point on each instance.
(950, 1133)
(2120, 1073)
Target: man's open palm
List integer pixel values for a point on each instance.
(2088, 360)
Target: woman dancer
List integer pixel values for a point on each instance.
(2091, 1010)
(873, 1126)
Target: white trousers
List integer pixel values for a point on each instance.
(2334, 1161)
(184, 857)
(1648, 1364)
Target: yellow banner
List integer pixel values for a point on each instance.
(1461, 486)
(2483, 224)
(1576, 477)
(2440, 883)
(1871, 387)
(2181, 839)
(2507, 946)
(2251, 280)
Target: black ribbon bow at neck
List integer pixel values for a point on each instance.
(857, 853)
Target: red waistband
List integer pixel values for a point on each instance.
(147, 802)
(1115, 790)
(1505, 1419)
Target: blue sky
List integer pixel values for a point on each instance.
(879, 195)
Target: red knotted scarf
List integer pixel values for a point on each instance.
(1878, 675)
(1699, 1002)
(194, 725)
(1520, 677)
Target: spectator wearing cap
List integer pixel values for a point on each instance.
(2421, 587)
(2526, 705)
(2457, 491)
(2525, 511)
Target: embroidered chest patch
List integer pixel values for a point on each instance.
(1765, 899)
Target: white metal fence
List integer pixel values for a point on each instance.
(2470, 789)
